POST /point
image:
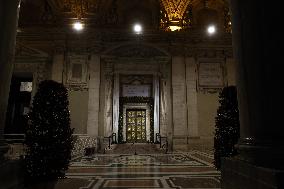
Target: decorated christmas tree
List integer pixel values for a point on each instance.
(48, 136)
(227, 126)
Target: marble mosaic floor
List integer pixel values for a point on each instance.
(177, 170)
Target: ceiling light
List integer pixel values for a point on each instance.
(174, 28)
(137, 28)
(211, 29)
(78, 26)
(175, 24)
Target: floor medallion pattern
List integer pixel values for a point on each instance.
(179, 170)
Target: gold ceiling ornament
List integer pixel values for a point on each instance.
(205, 2)
(175, 8)
(79, 7)
(227, 20)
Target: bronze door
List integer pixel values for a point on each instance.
(136, 125)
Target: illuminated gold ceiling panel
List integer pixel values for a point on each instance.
(80, 8)
(175, 8)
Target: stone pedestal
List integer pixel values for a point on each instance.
(9, 11)
(256, 48)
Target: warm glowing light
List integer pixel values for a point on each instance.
(137, 28)
(174, 28)
(211, 29)
(78, 26)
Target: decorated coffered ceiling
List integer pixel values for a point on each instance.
(76, 8)
(161, 14)
(85, 8)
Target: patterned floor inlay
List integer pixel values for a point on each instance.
(137, 160)
(126, 183)
(178, 170)
(191, 182)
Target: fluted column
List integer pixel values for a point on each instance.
(108, 96)
(256, 45)
(156, 96)
(9, 12)
(115, 102)
(256, 42)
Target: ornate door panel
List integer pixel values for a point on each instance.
(136, 125)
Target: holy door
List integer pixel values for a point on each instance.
(136, 125)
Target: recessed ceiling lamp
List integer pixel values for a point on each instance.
(175, 25)
(137, 28)
(78, 26)
(211, 29)
(174, 28)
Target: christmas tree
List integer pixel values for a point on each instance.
(48, 135)
(227, 127)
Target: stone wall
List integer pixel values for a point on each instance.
(187, 111)
(179, 101)
(78, 107)
(194, 103)
(207, 110)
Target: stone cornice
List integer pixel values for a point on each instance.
(107, 35)
(93, 41)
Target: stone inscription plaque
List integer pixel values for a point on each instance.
(136, 90)
(77, 69)
(210, 75)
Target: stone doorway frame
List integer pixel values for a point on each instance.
(143, 59)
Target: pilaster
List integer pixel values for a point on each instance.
(116, 103)
(94, 96)
(156, 96)
(57, 68)
(191, 98)
(179, 100)
(107, 97)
